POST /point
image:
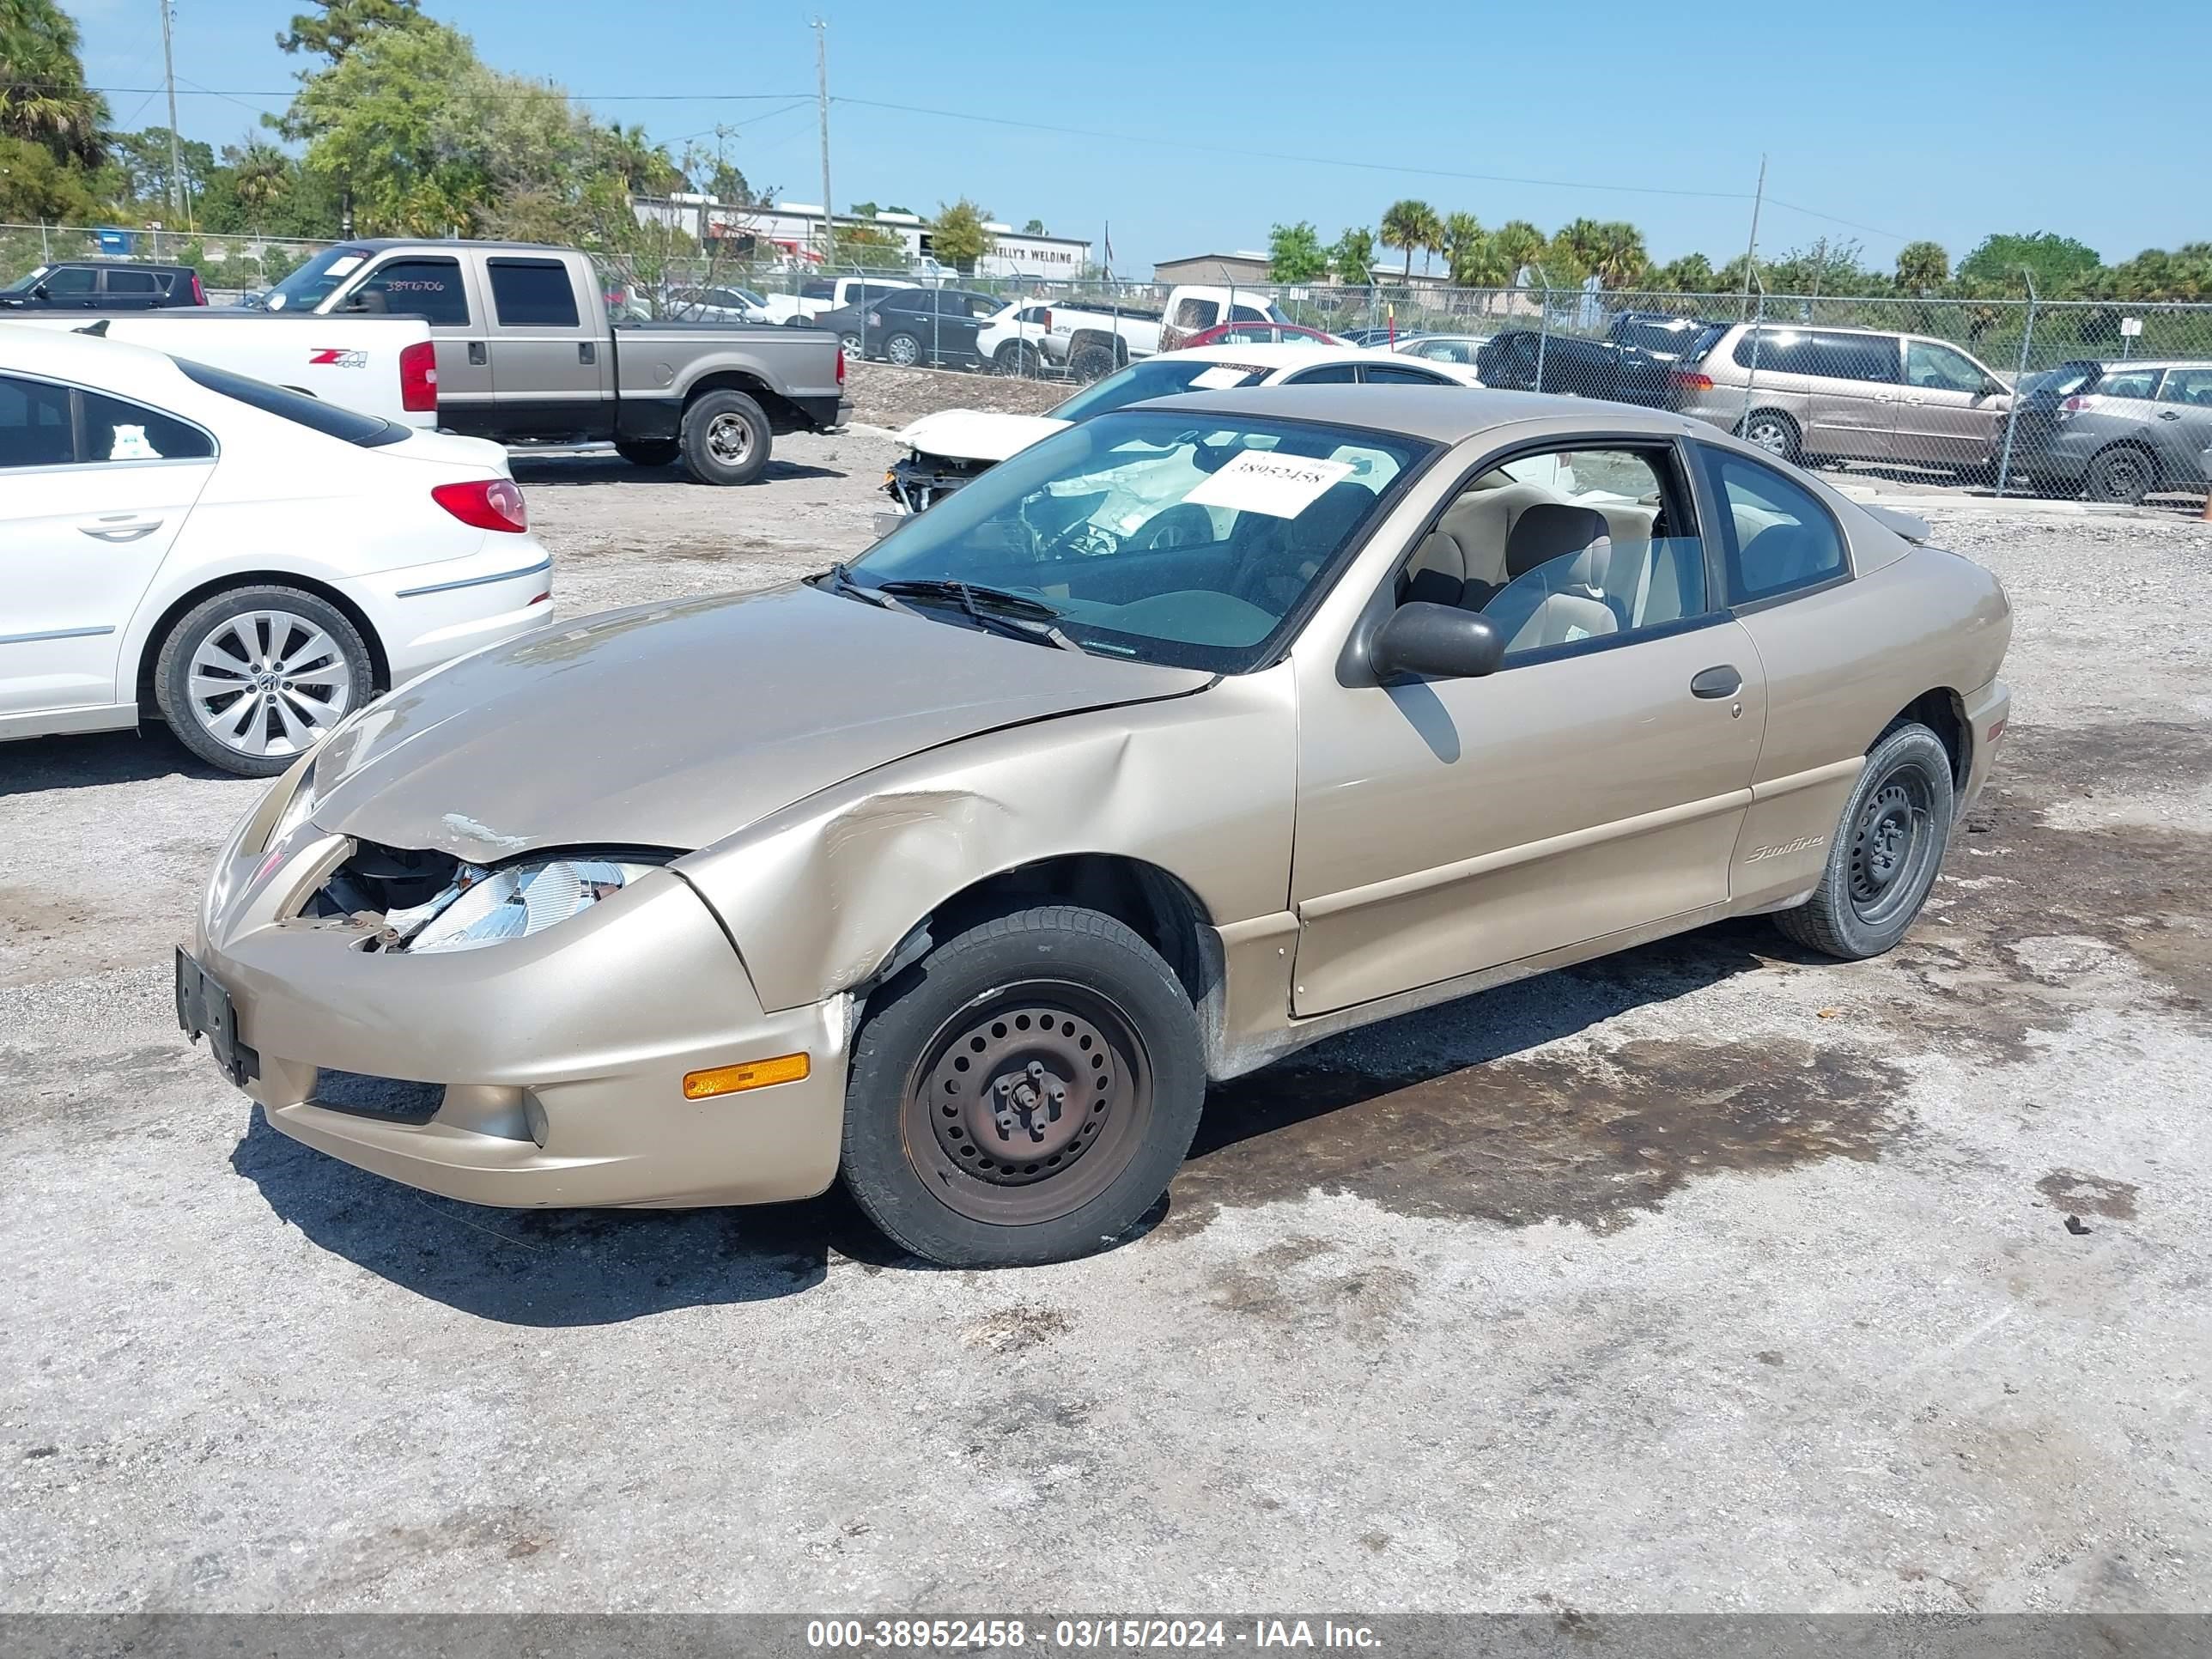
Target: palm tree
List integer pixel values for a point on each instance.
(1462, 240)
(1621, 258)
(1432, 236)
(1921, 267)
(43, 96)
(1517, 242)
(1406, 224)
(261, 173)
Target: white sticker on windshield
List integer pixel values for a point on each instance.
(1219, 378)
(1281, 486)
(344, 267)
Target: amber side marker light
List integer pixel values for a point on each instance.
(753, 1074)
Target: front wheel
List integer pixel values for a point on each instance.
(1024, 1093)
(1888, 850)
(252, 679)
(725, 439)
(903, 350)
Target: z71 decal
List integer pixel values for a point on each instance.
(339, 357)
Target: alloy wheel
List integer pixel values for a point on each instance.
(268, 682)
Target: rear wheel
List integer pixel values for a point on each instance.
(1091, 364)
(2124, 475)
(1024, 1093)
(1018, 358)
(252, 679)
(725, 439)
(1888, 850)
(1771, 430)
(903, 350)
(648, 451)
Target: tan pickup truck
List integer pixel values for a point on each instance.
(527, 352)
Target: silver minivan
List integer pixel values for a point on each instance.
(1810, 393)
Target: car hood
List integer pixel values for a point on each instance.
(675, 725)
(978, 434)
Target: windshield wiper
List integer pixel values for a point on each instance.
(839, 579)
(1000, 608)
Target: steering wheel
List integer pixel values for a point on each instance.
(1083, 540)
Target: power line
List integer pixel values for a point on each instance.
(530, 92)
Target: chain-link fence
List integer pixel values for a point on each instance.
(231, 264)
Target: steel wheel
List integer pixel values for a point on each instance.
(1892, 848)
(2124, 475)
(269, 683)
(1028, 1104)
(730, 439)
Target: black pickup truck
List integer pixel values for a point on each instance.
(1630, 364)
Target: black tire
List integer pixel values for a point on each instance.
(1887, 848)
(919, 1139)
(297, 713)
(1018, 358)
(1771, 430)
(1091, 364)
(725, 439)
(903, 350)
(648, 451)
(2123, 474)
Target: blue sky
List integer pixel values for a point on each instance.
(1949, 120)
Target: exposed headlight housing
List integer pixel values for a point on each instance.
(483, 907)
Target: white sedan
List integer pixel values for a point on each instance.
(244, 563)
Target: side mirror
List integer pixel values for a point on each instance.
(1993, 387)
(1439, 641)
(369, 300)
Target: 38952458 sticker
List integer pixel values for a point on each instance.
(1281, 486)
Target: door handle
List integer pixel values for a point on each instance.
(119, 528)
(586, 352)
(2169, 415)
(1720, 682)
(477, 357)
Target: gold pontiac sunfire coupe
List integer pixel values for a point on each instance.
(1192, 734)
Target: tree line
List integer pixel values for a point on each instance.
(1614, 250)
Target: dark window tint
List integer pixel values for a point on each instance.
(424, 287)
(366, 430)
(71, 279)
(532, 294)
(1402, 375)
(114, 430)
(1246, 315)
(818, 291)
(1034, 314)
(1195, 315)
(1855, 358)
(133, 282)
(1329, 375)
(1778, 538)
(34, 424)
(903, 299)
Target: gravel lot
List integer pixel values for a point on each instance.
(1710, 1277)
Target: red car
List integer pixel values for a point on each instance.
(1259, 334)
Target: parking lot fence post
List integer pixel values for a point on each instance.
(1543, 332)
(1751, 378)
(2012, 414)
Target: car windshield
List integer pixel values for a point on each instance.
(1156, 377)
(1186, 538)
(24, 284)
(317, 279)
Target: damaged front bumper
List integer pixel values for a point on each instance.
(916, 483)
(548, 1070)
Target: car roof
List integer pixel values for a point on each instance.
(378, 244)
(112, 265)
(1443, 414)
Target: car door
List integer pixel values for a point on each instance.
(1851, 389)
(547, 376)
(2183, 423)
(1786, 574)
(1947, 414)
(93, 491)
(72, 287)
(435, 286)
(1592, 788)
(121, 289)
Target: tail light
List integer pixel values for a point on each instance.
(1682, 379)
(840, 362)
(199, 294)
(418, 378)
(2072, 407)
(487, 503)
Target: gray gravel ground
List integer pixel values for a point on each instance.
(1711, 1277)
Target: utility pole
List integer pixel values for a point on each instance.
(821, 98)
(1751, 251)
(169, 72)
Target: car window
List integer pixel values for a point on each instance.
(1246, 315)
(1856, 357)
(1195, 315)
(1326, 374)
(428, 288)
(982, 305)
(1565, 546)
(818, 291)
(532, 294)
(367, 431)
(34, 424)
(1158, 534)
(1779, 351)
(133, 282)
(71, 279)
(1156, 377)
(1402, 374)
(1778, 538)
(2187, 385)
(904, 298)
(1444, 351)
(2125, 383)
(317, 279)
(114, 430)
(1941, 369)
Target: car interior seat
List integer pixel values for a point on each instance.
(1557, 558)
